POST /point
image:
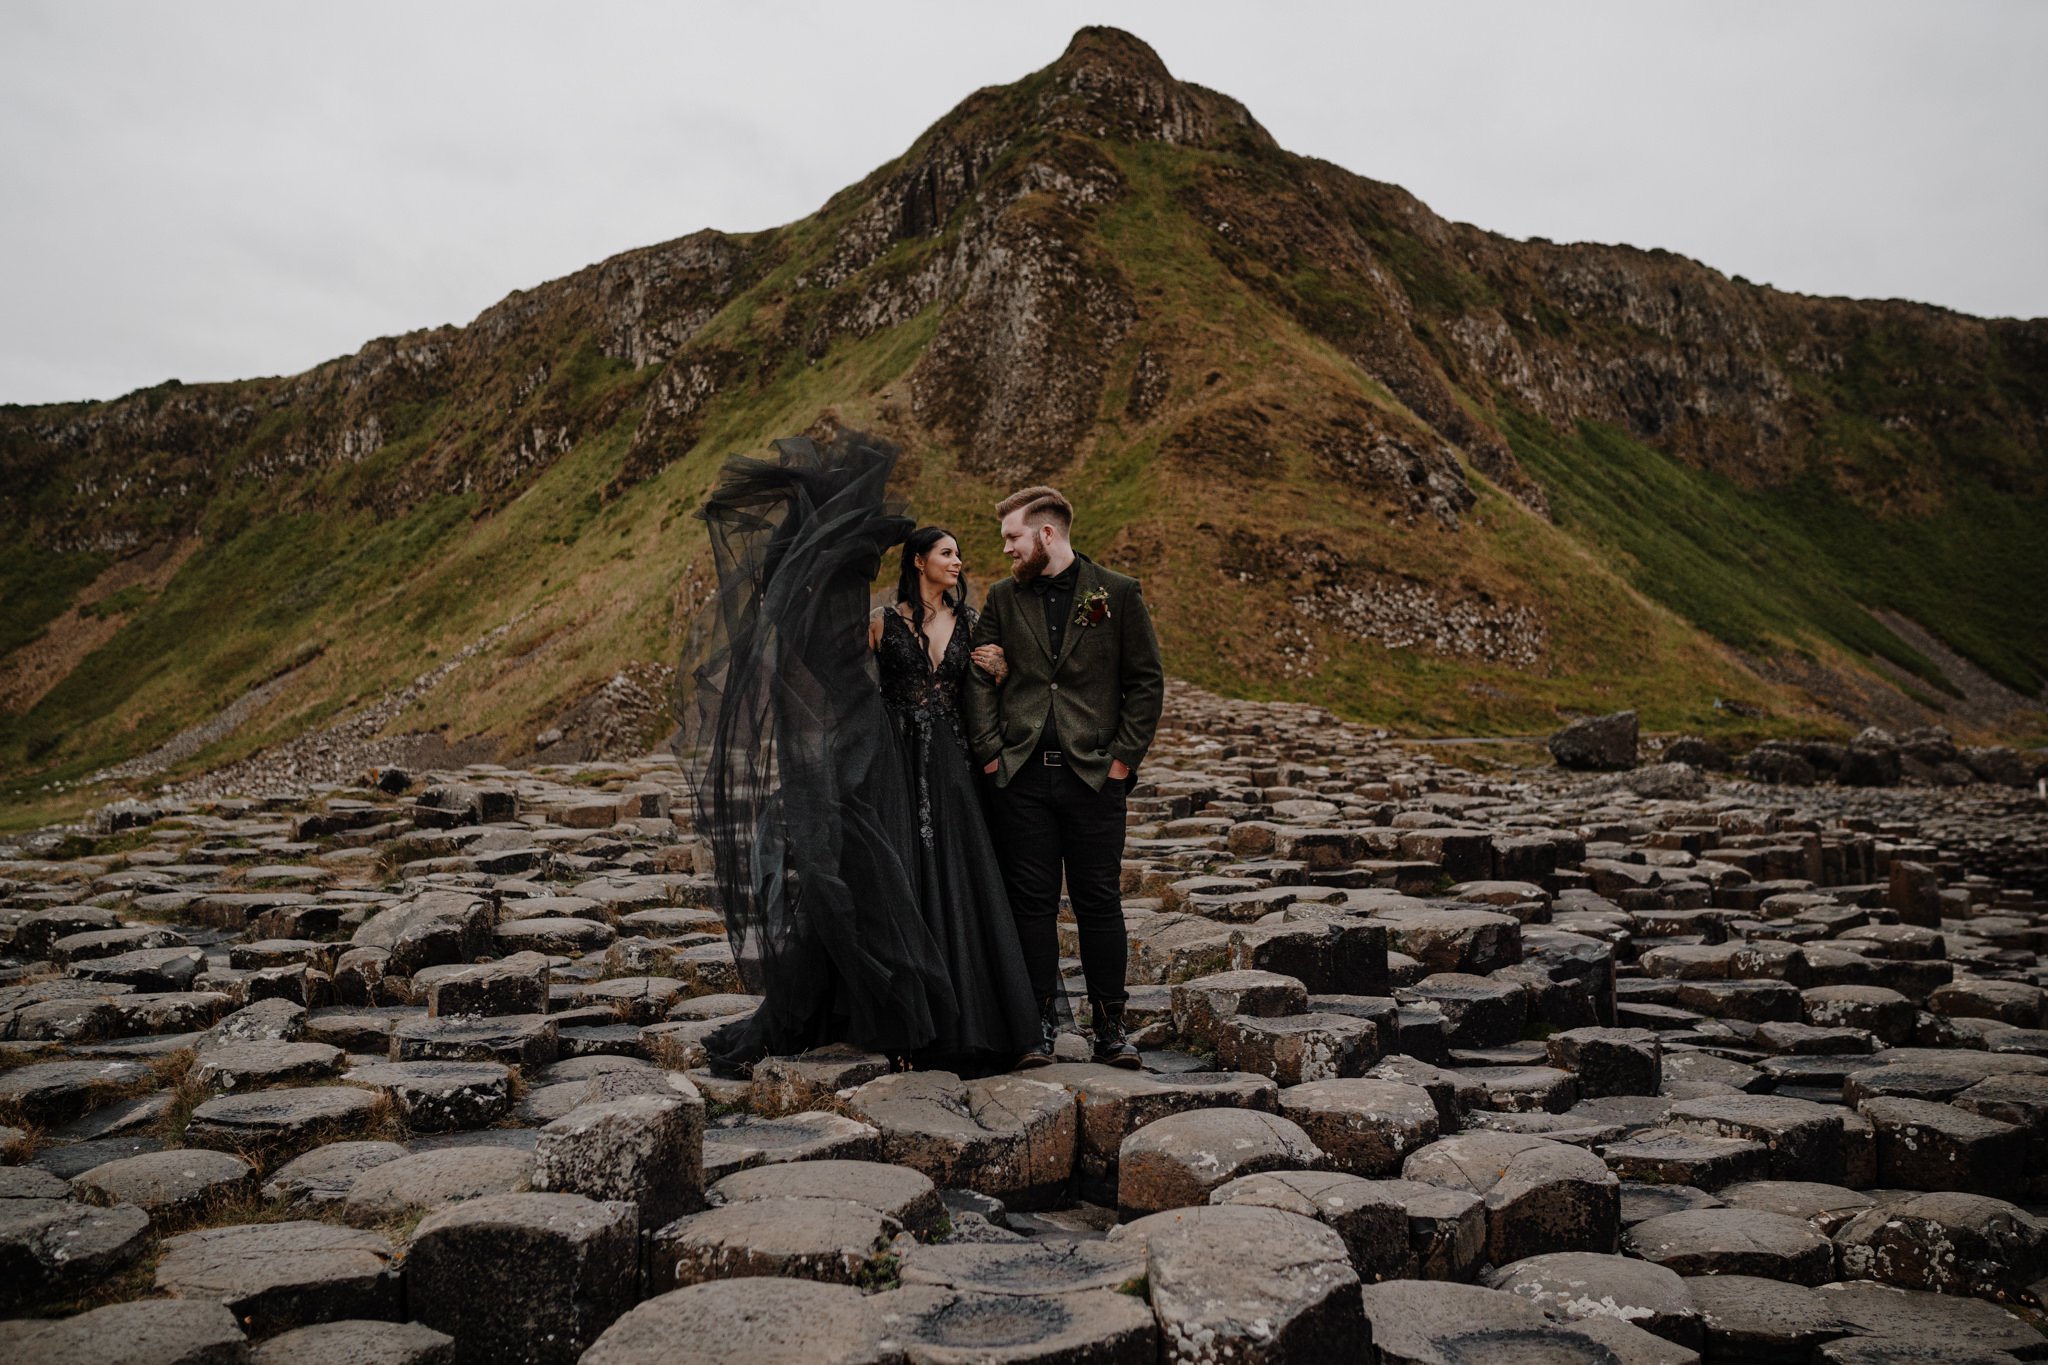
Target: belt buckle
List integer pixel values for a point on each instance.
(1052, 758)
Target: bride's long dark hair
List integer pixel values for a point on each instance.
(909, 579)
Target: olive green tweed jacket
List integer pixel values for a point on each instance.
(1104, 690)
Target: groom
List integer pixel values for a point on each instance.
(1062, 735)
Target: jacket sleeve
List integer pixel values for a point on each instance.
(1141, 681)
(981, 698)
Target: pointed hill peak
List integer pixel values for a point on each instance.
(1109, 83)
(1099, 47)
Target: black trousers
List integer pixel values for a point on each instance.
(1048, 823)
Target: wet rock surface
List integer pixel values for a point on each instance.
(1438, 1066)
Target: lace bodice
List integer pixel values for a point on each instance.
(920, 698)
(910, 684)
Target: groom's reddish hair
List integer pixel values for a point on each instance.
(1040, 504)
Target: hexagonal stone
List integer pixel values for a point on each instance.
(1899, 1351)
(1640, 1202)
(440, 1097)
(1578, 1285)
(35, 933)
(524, 1277)
(908, 1196)
(1734, 1242)
(255, 1066)
(171, 1011)
(1540, 1196)
(52, 1092)
(32, 1182)
(564, 935)
(1914, 1317)
(1115, 1103)
(266, 1021)
(109, 942)
(1006, 1136)
(934, 1326)
(1610, 1061)
(743, 1142)
(750, 1322)
(1948, 1243)
(1474, 941)
(53, 1247)
(1446, 1227)
(1880, 1011)
(277, 1276)
(1478, 1011)
(1675, 1157)
(1754, 1002)
(1051, 1266)
(646, 1149)
(1297, 1047)
(635, 999)
(273, 1120)
(525, 1040)
(358, 1342)
(1372, 1222)
(393, 1190)
(166, 1184)
(1176, 1161)
(795, 1085)
(1525, 1089)
(1933, 1083)
(512, 985)
(1927, 1146)
(146, 969)
(431, 929)
(1201, 1005)
(832, 1240)
(1419, 1323)
(1748, 1318)
(2012, 1002)
(324, 1175)
(1827, 1207)
(143, 1332)
(1239, 1282)
(1363, 1127)
(1804, 1138)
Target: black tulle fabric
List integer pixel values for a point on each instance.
(850, 923)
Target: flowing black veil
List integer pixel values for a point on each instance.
(797, 787)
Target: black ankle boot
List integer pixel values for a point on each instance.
(1040, 1052)
(1112, 1047)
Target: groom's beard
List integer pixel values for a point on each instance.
(1032, 564)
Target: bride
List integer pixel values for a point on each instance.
(832, 779)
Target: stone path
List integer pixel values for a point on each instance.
(1439, 1067)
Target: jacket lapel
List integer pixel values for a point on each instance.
(1032, 608)
(1084, 583)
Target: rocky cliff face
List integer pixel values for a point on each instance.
(1109, 277)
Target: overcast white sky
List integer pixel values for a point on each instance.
(219, 190)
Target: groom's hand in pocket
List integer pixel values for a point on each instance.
(992, 765)
(1119, 770)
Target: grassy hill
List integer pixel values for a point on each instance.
(1426, 476)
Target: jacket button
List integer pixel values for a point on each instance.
(1055, 687)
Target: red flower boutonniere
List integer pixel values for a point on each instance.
(1093, 609)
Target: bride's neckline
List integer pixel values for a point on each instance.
(933, 664)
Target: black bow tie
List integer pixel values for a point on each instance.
(1044, 584)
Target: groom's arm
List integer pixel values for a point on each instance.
(981, 698)
(1141, 680)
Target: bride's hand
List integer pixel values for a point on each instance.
(989, 659)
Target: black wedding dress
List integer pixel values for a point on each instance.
(860, 892)
(959, 882)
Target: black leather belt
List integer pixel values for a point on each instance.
(1052, 758)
